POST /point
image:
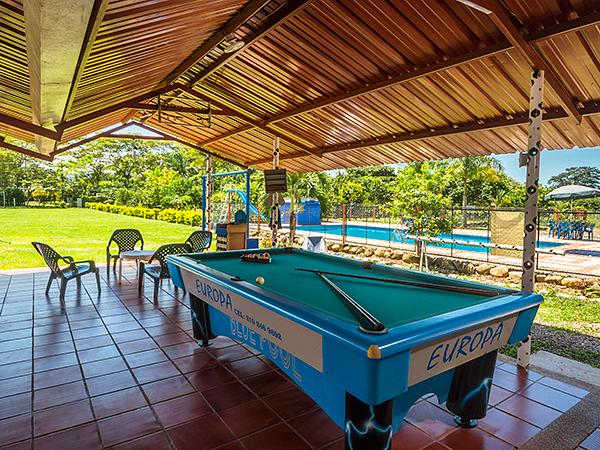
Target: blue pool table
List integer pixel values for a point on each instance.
(440, 335)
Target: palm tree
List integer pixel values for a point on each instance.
(473, 169)
(302, 185)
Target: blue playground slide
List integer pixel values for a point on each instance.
(242, 195)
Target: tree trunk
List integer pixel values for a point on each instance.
(292, 227)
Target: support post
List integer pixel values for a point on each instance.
(203, 202)
(274, 199)
(247, 206)
(208, 190)
(532, 160)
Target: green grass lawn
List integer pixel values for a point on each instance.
(78, 232)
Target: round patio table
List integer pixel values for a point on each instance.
(135, 255)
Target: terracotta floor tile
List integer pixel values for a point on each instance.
(110, 383)
(233, 445)
(268, 383)
(210, 378)
(89, 332)
(229, 354)
(103, 367)
(97, 354)
(182, 409)
(498, 394)
(520, 371)
(162, 390)
(156, 441)
(317, 428)
(57, 376)
(145, 358)
(202, 434)
(139, 345)
(432, 420)
(474, 438)
(550, 397)
(509, 381)
(15, 405)
(291, 403)
(22, 445)
(184, 349)
(124, 427)
(18, 344)
(58, 395)
(508, 428)
(248, 367)
(93, 342)
(273, 438)
(197, 361)
(54, 362)
(172, 339)
(564, 387)
(436, 446)
(592, 442)
(127, 336)
(15, 385)
(53, 338)
(61, 417)
(13, 356)
(82, 437)
(228, 395)
(155, 372)
(15, 429)
(410, 437)
(533, 412)
(15, 369)
(53, 349)
(118, 402)
(249, 417)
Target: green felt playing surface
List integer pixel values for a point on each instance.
(392, 304)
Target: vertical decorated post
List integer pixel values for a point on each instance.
(531, 159)
(275, 196)
(209, 191)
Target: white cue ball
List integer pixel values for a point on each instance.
(260, 280)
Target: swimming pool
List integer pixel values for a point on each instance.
(388, 235)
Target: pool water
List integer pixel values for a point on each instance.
(389, 235)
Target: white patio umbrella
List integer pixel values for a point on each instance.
(572, 192)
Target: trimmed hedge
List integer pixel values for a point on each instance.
(193, 218)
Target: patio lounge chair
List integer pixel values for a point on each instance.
(126, 240)
(73, 269)
(199, 241)
(160, 271)
(589, 230)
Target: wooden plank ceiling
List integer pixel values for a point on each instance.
(342, 82)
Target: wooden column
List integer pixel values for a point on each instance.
(209, 191)
(531, 159)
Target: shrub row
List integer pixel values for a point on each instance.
(193, 218)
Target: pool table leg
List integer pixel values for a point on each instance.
(470, 390)
(201, 321)
(368, 427)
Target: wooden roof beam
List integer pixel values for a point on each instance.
(468, 127)
(29, 127)
(174, 108)
(504, 22)
(253, 123)
(55, 32)
(285, 12)
(121, 105)
(231, 26)
(23, 151)
(547, 33)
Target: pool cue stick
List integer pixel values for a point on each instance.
(367, 320)
(441, 287)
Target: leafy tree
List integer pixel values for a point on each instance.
(584, 176)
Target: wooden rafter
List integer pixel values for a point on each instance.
(478, 125)
(505, 24)
(238, 20)
(252, 123)
(285, 12)
(173, 108)
(400, 79)
(23, 151)
(29, 127)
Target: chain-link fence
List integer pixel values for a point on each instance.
(568, 241)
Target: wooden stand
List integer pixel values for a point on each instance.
(231, 236)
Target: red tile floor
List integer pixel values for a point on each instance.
(118, 371)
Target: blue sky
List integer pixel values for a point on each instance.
(552, 162)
